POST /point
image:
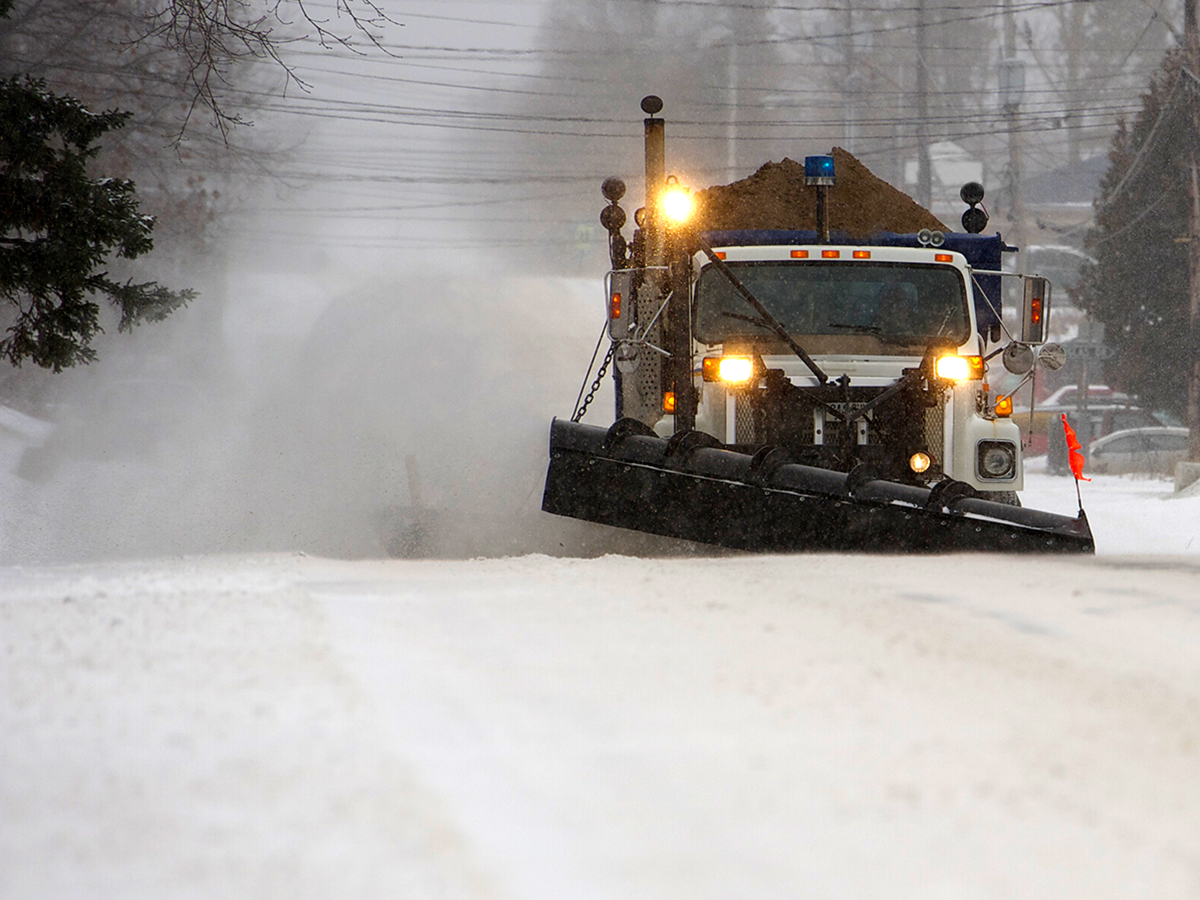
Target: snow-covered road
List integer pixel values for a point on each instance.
(827, 726)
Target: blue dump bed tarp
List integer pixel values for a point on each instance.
(983, 253)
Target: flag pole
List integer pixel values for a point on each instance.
(1075, 458)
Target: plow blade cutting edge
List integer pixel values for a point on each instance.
(690, 487)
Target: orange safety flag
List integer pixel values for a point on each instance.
(1073, 449)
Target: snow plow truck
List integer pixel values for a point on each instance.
(784, 388)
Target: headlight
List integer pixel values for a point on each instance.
(952, 368)
(733, 370)
(959, 368)
(736, 369)
(997, 459)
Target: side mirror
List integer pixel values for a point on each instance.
(1053, 357)
(619, 303)
(1035, 312)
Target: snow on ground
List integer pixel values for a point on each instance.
(709, 727)
(1128, 513)
(185, 723)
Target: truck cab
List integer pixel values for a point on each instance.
(866, 315)
(895, 334)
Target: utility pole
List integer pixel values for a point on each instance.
(1191, 39)
(1071, 20)
(924, 176)
(1012, 87)
(850, 84)
(731, 123)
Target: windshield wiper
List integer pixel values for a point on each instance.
(857, 329)
(773, 323)
(753, 320)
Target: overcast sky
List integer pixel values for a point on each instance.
(420, 147)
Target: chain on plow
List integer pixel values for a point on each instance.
(582, 408)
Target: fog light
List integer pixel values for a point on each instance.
(920, 462)
(997, 459)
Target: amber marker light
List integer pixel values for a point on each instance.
(1004, 407)
(799, 254)
(943, 257)
(862, 254)
(831, 254)
(669, 402)
(615, 306)
(920, 462)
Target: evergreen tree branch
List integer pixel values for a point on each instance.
(58, 227)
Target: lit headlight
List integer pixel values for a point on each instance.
(952, 368)
(959, 368)
(677, 205)
(996, 459)
(735, 369)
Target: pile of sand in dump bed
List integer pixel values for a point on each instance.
(775, 196)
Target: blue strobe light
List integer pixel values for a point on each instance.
(818, 170)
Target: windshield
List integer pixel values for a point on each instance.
(895, 303)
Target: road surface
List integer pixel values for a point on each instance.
(284, 726)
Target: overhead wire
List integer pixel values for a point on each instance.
(1044, 111)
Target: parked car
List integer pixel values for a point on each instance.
(1046, 434)
(1153, 450)
(1098, 395)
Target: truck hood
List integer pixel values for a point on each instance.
(865, 372)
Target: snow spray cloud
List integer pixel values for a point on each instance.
(406, 415)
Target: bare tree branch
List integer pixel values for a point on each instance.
(211, 36)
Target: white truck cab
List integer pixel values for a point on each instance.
(866, 315)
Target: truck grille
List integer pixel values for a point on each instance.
(935, 435)
(744, 417)
(783, 415)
